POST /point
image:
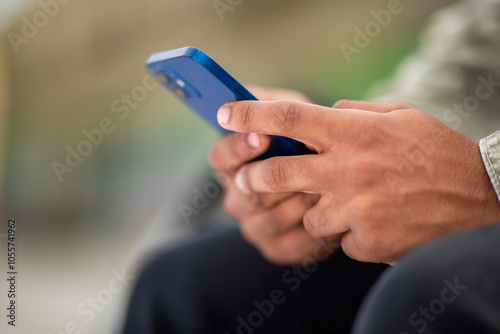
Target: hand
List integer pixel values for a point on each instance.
(271, 222)
(390, 176)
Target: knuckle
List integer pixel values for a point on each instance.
(237, 148)
(256, 201)
(308, 222)
(228, 152)
(365, 223)
(273, 225)
(287, 114)
(341, 104)
(360, 172)
(245, 111)
(275, 176)
(315, 222)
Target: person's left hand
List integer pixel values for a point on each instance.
(390, 176)
(272, 223)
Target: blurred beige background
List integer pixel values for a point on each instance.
(122, 200)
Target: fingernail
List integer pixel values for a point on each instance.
(253, 140)
(223, 114)
(240, 183)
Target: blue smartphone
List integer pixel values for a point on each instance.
(198, 81)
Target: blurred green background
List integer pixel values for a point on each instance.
(123, 198)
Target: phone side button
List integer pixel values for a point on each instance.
(243, 95)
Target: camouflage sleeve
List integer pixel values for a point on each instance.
(454, 74)
(490, 150)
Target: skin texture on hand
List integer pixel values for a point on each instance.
(270, 222)
(390, 176)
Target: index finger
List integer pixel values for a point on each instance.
(301, 121)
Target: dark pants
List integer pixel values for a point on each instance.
(219, 284)
(448, 286)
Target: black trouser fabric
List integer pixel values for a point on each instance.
(217, 283)
(449, 286)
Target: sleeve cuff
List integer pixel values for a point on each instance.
(490, 151)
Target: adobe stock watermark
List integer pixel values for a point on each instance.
(372, 29)
(48, 9)
(202, 197)
(421, 318)
(293, 279)
(223, 6)
(88, 310)
(484, 90)
(121, 107)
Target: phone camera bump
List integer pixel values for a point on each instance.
(163, 78)
(180, 92)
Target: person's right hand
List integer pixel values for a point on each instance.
(270, 222)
